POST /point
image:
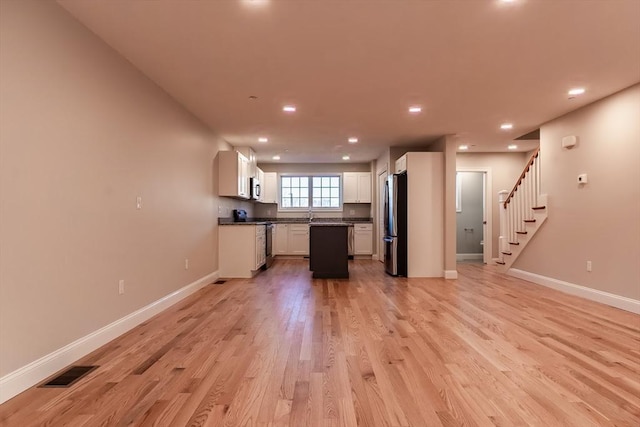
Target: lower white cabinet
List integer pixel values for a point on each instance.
(363, 239)
(241, 250)
(281, 239)
(261, 245)
(299, 239)
(291, 239)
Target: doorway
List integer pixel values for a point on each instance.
(473, 215)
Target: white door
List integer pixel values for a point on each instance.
(382, 179)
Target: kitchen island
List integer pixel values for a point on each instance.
(328, 250)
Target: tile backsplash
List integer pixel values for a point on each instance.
(350, 210)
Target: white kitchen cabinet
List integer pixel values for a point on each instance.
(281, 239)
(270, 187)
(299, 239)
(233, 175)
(260, 177)
(261, 245)
(291, 239)
(241, 250)
(401, 164)
(363, 239)
(356, 187)
(252, 165)
(425, 214)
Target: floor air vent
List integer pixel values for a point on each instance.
(219, 282)
(70, 376)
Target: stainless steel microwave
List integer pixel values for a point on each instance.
(254, 184)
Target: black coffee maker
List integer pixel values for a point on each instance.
(239, 215)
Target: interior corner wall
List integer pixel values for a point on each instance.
(598, 221)
(505, 171)
(82, 135)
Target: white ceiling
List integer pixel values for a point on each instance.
(354, 67)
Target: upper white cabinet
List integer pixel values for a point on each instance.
(401, 164)
(233, 175)
(269, 187)
(260, 177)
(251, 157)
(356, 187)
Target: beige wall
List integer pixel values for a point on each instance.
(505, 170)
(82, 134)
(599, 221)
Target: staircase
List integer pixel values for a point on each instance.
(522, 213)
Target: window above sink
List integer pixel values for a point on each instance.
(317, 192)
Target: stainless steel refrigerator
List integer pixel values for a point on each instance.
(395, 225)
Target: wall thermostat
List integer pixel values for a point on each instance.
(582, 178)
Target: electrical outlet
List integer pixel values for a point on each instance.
(139, 202)
(588, 265)
(186, 263)
(268, 211)
(352, 212)
(220, 209)
(121, 287)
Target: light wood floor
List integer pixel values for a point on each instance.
(283, 349)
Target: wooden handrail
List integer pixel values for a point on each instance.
(522, 175)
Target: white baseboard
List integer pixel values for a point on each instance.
(467, 257)
(374, 257)
(623, 303)
(451, 274)
(21, 379)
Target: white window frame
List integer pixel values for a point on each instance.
(311, 176)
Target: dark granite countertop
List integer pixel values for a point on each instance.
(323, 221)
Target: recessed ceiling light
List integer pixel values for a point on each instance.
(345, 157)
(576, 91)
(276, 157)
(253, 3)
(415, 109)
(289, 108)
(263, 139)
(506, 126)
(512, 146)
(463, 147)
(353, 140)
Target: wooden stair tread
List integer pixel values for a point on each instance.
(506, 253)
(500, 262)
(514, 243)
(529, 220)
(537, 208)
(521, 232)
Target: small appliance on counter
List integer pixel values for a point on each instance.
(239, 215)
